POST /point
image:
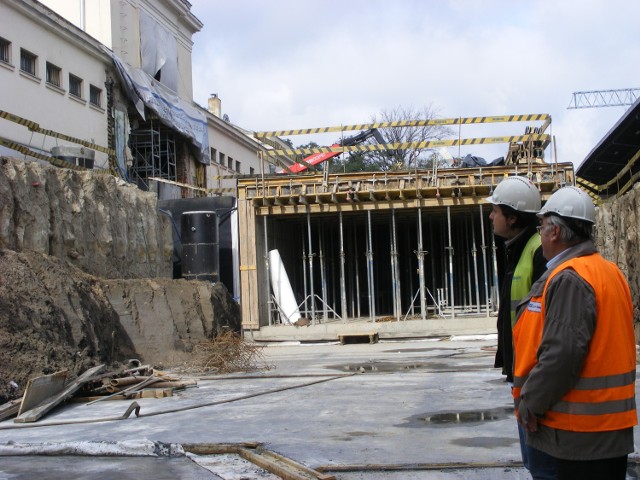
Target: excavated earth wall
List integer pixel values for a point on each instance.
(618, 239)
(85, 278)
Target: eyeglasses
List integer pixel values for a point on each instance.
(541, 227)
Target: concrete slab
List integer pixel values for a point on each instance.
(387, 410)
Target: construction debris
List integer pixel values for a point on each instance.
(46, 392)
(226, 353)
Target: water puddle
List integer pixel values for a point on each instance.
(470, 417)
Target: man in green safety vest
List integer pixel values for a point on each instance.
(516, 200)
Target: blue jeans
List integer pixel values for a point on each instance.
(541, 466)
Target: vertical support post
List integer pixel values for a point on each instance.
(343, 286)
(304, 277)
(370, 283)
(358, 313)
(323, 273)
(267, 270)
(450, 248)
(474, 259)
(468, 259)
(484, 260)
(395, 268)
(312, 293)
(420, 253)
(494, 253)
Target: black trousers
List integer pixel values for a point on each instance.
(605, 469)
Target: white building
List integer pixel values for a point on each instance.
(132, 99)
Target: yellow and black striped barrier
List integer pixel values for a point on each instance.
(35, 127)
(412, 145)
(52, 160)
(408, 123)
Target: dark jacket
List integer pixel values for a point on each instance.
(513, 250)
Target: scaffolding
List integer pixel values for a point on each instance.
(154, 152)
(374, 247)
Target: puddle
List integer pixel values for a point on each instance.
(471, 417)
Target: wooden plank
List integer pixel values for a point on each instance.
(36, 413)
(358, 336)
(41, 388)
(147, 393)
(10, 409)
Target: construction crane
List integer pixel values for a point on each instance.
(317, 158)
(604, 98)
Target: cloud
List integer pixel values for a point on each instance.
(297, 64)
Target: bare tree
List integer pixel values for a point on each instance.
(412, 157)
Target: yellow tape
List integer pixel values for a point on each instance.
(33, 126)
(409, 123)
(411, 145)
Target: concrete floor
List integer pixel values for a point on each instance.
(390, 410)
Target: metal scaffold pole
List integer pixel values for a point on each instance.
(304, 276)
(421, 279)
(494, 255)
(450, 248)
(357, 312)
(370, 282)
(484, 259)
(312, 293)
(343, 286)
(267, 282)
(323, 273)
(395, 268)
(474, 255)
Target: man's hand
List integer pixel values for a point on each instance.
(526, 418)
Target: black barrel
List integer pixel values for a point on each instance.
(200, 254)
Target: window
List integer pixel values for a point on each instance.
(28, 62)
(95, 96)
(214, 155)
(252, 171)
(54, 75)
(230, 163)
(221, 158)
(237, 166)
(5, 50)
(75, 86)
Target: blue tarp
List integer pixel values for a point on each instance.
(172, 110)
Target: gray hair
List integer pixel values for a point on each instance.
(572, 230)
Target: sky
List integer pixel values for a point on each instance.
(293, 64)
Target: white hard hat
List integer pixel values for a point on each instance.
(518, 193)
(570, 202)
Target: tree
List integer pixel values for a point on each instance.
(401, 159)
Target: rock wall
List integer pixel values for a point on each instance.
(618, 239)
(99, 224)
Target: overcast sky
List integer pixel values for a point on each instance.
(290, 64)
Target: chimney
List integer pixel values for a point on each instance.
(215, 104)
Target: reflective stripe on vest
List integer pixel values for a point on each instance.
(604, 397)
(522, 275)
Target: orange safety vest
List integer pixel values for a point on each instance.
(603, 399)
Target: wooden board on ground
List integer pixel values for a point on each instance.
(146, 393)
(358, 337)
(10, 409)
(35, 413)
(41, 388)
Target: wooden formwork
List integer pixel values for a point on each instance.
(318, 194)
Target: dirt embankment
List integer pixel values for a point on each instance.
(85, 267)
(53, 317)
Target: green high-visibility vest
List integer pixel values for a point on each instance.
(521, 283)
